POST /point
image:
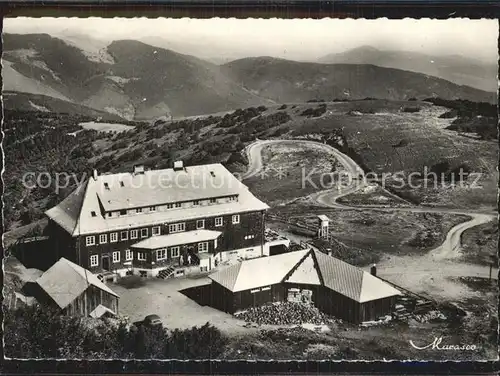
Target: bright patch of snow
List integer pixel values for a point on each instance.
(15, 81)
(29, 56)
(39, 108)
(121, 80)
(127, 113)
(94, 49)
(106, 127)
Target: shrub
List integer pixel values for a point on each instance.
(131, 282)
(314, 112)
(206, 342)
(411, 109)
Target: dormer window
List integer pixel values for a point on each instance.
(122, 184)
(106, 186)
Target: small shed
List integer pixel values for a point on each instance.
(323, 225)
(73, 290)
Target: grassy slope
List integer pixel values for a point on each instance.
(426, 143)
(21, 102)
(480, 242)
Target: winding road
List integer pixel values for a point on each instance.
(432, 273)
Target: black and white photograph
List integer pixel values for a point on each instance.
(250, 189)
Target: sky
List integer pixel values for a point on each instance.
(299, 39)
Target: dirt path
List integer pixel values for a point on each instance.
(433, 273)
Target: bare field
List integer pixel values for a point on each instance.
(397, 233)
(106, 127)
(480, 243)
(392, 142)
(373, 195)
(286, 166)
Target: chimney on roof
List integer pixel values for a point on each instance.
(94, 174)
(178, 165)
(373, 270)
(138, 169)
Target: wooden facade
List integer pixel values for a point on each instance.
(323, 298)
(249, 232)
(83, 304)
(230, 302)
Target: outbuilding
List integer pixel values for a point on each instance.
(309, 276)
(75, 291)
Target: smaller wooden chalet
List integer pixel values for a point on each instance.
(333, 286)
(75, 291)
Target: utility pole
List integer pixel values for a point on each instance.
(493, 259)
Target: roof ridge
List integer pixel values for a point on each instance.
(78, 269)
(296, 266)
(238, 269)
(85, 186)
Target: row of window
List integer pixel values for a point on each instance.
(94, 259)
(168, 206)
(124, 235)
(161, 254)
(144, 232)
(261, 289)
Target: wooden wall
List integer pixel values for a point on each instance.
(335, 304)
(377, 308)
(89, 300)
(232, 237)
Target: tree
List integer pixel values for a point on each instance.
(206, 342)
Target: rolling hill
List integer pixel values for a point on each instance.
(455, 68)
(135, 81)
(290, 81)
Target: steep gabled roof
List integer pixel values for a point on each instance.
(65, 281)
(305, 267)
(67, 213)
(305, 272)
(81, 212)
(258, 272)
(100, 311)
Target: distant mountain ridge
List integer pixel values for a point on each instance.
(290, 81)
(134, 80)
(455, 68)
